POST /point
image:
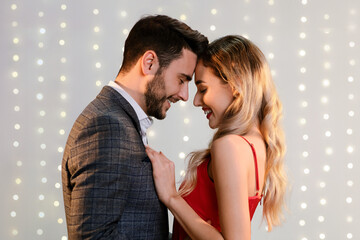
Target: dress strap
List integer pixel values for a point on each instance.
(256, 165)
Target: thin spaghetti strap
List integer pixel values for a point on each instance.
(256, 165)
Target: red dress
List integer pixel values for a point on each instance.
(203, 199)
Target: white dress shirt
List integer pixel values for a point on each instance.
(145, 120)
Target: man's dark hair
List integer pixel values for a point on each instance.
(164, 35)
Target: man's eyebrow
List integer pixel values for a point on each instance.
(186, 76)
(199, 81)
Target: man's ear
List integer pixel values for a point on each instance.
(149, 63)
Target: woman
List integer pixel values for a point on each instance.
(244, 162)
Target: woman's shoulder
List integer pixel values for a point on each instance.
(231, 146)
(229, 142)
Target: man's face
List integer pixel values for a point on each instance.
(170, 85)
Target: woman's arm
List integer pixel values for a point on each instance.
(230, 163)
(164, 177)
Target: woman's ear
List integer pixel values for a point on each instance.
(149, 63)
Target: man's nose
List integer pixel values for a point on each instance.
(184, 92)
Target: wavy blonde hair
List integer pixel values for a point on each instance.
(241, 64)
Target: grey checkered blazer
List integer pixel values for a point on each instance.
(107, 180)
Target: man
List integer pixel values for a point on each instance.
(107, 177)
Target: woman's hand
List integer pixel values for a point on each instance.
(164, 175)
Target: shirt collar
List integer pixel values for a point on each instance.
(142, 116)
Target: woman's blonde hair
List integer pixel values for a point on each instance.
(241, 64)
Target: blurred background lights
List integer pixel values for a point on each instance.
(302, 223)
(16, 144)
(41, 214)
(40, 62)
(16, 58)
(18, 181)
(304, 2)
(329, 151)
(183, 17)
(302, 87)
(123, 13)
(14, 232)
(214, 11)
(14, 74)
(349, 131)
(182, 155)
(350, 183)
(39, 96)
(326, 82)
(350, 149)
(302, 35)
(39, 232)
(303, 19)
(302, 53)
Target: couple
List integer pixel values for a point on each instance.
(116, 187)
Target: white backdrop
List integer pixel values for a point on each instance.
(57, 55)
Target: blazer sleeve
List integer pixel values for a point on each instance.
(100, 169)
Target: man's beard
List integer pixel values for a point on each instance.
(155, 96)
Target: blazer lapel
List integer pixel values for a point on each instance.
(109, 92)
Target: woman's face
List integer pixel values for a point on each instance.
(212, 94)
